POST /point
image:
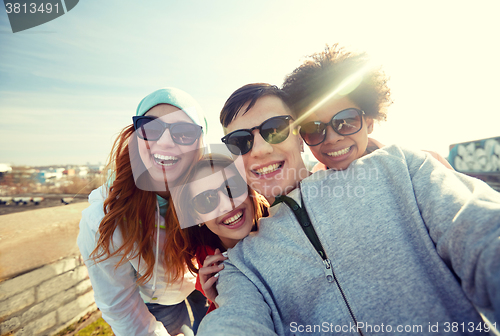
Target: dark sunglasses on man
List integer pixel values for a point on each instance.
(274, 130)
(208, 200)
(346, 122)
(151, 129)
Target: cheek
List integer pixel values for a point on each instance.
(315, 150)
(250, 207)
(295, 145)
(212, 225)
(246, 165)
(243, 199)
(143, 151)
(189, 153)
(208, 218)
(363, 136)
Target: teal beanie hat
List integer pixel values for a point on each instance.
(177, 98)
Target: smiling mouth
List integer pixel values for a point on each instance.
(165, 160)
(231, 220)
(268, 169)
(340, 152)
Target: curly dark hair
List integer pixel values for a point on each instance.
(323, 72)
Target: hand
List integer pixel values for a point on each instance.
(209, 274)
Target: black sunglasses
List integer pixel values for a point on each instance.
(346, 122)
(152, 128)
(209, 200)
(273, 130)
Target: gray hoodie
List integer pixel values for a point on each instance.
(413, 246)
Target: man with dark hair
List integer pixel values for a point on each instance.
(394, 243)
(271, 153)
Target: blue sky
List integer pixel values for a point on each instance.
(68, 86)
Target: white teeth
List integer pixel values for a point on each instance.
(233, 219)
(340, 152)
(268, 169)
(165, 157)
(171, 160)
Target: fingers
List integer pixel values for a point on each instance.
(208, 286)
(209, 273)
(214, 259)
(210, 282)
(206, 271)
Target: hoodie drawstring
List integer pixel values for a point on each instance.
(155, 270)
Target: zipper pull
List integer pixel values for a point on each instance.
(328, 270)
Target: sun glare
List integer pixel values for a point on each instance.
(344, 88)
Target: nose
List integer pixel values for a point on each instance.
(225, 204)
(260, 146)
(332, 136)
(166, 140)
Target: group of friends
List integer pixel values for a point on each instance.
(378, 240)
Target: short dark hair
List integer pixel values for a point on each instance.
(249, 93)
(323, 72)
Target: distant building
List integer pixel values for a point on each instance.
(5, 168)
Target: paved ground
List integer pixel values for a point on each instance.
(34, 238)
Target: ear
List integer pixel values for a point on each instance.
(301, 144)
(295, 131)
(369, 124)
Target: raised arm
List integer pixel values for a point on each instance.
(242, 308)
(463, 218)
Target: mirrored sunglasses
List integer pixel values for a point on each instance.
(273, 131)
(152, 128)
(345, 122)
(209, 200)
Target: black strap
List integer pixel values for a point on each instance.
(304, 220)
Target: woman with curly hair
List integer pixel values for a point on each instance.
(136, 254)
(341, 89)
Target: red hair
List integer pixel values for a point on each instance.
(132, 211)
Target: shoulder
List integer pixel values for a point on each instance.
(94, 213)
(393, 156)
(385, 165)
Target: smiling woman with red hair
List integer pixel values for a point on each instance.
(136, 254)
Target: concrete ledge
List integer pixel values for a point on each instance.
(60, 297)
(31, 239)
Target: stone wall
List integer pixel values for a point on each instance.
(45, 300)
(44, 283)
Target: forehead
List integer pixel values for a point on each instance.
(264, 108)
(330, 108)
(168, 113)
(206, 178)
